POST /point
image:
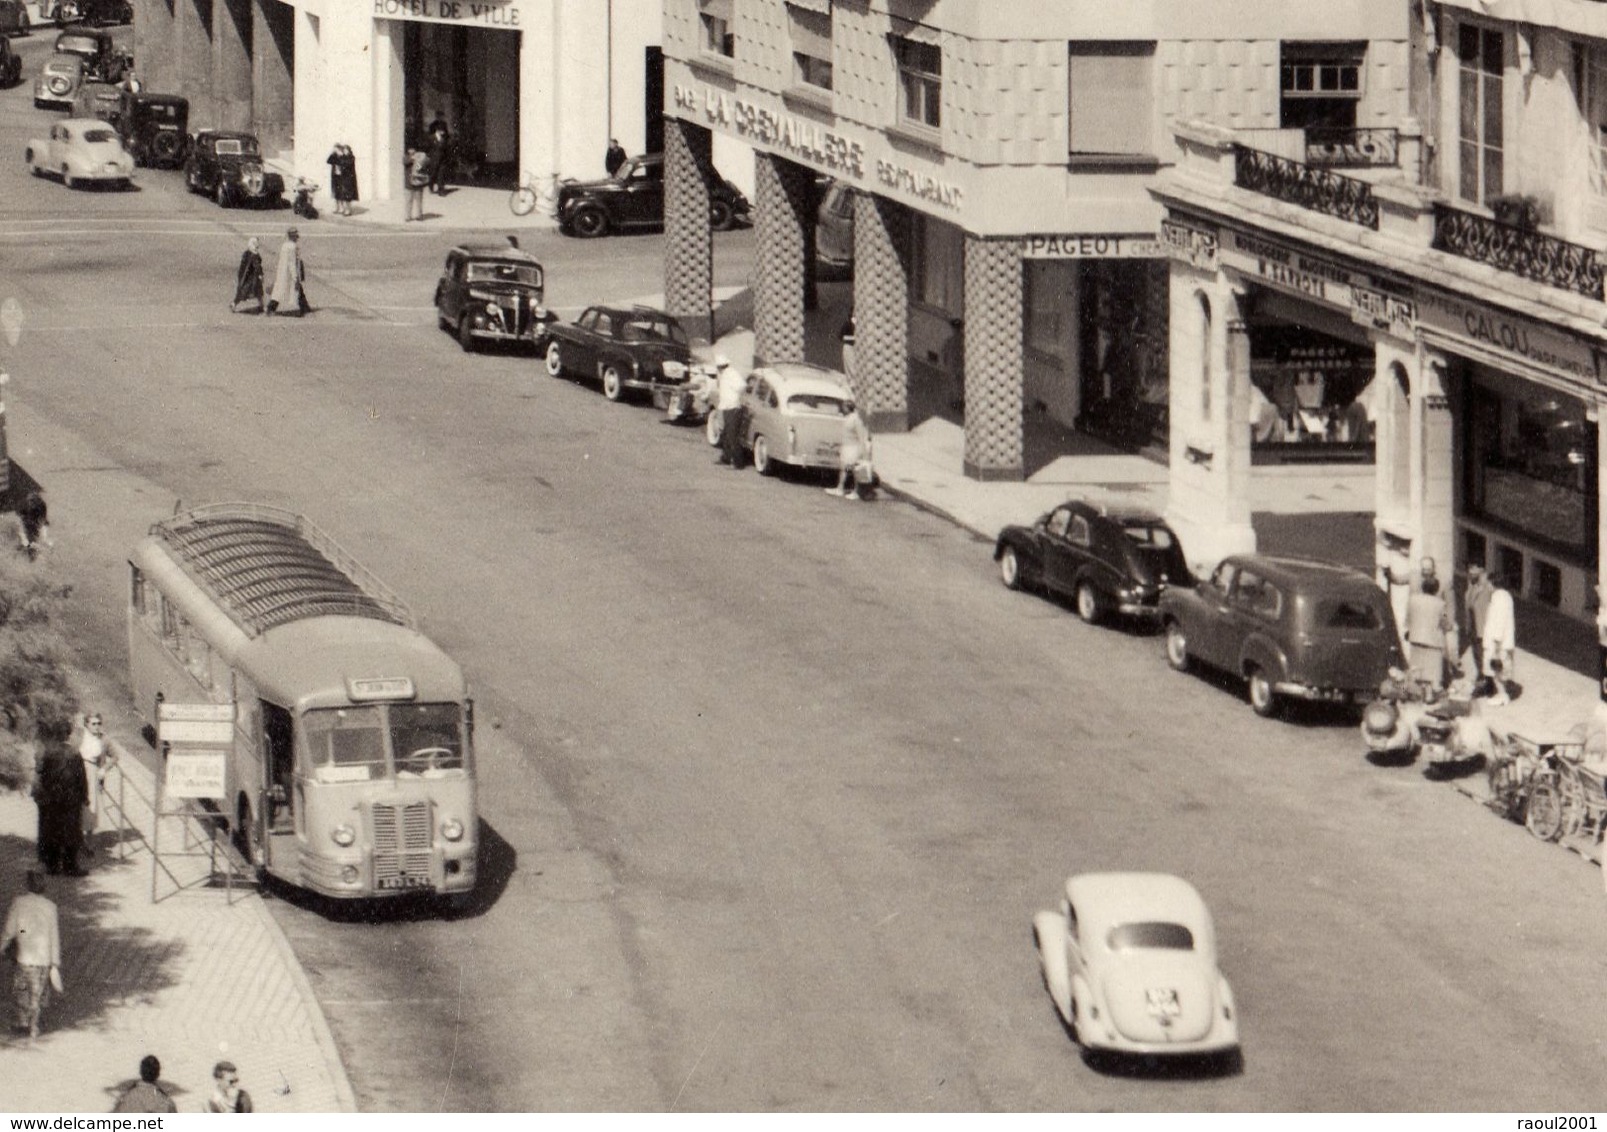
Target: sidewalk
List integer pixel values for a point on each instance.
(461, 207)
(194, 978)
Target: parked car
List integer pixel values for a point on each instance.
(226, 165)
(1291, 627)
(81, 150)
(14, 18)
(103, 60)
(1109, 559)
(98, 13)
(795, 416)
(634, 198)
(1130, 962)
(492, 293)
(10, 64)
(60, 76)
(834, 232)
(99, 100)
(153, 128)
(627, 348)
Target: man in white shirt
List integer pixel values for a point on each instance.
(33, 940)
(729, 384)
(1500, 638)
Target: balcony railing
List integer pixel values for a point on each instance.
(1308, 186)
(1520, 251)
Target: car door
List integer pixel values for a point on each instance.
(1209, 639)
(1056, 548)
(1253, 607)
(594, 334)
(450, 299)
(642, 201)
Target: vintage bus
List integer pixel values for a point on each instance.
(351, 772)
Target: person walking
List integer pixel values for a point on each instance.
(1428, 624)
(733, 420)
(1500, 639)
(227, 1095)
(92, 750)
(855, 450)
(32, 938)
(33, 523)
(145, 1095)
(416, 172)
(440, 154)
(248, 277)
(343, 178)
(614, 156)
(1476, 609)
(288, 278)
(60, 791)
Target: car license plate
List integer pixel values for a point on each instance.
(405, 880)
(1161, 1002)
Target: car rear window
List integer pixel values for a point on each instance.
(1348, 613)
(1147, 534)
(1150, 934)
(652, 330)
(821, 404)
(99, 136)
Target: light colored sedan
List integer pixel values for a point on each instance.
(81, 150)
(1129, 960)
(795, 416)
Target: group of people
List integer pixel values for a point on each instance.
(289, 294)
(1434, 636)
(148, 1095)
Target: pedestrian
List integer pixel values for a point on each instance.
(1428, 624)
(1476, 608)
(32, 939)
(248, 276)
(288, 278)
(145, 1095)
(343, 178)
(33, 523)
(1500, 639)
(733, 420)
(227, 1095)
(92, 750)
(854, 451)
(416, 171)
(60, 791)
(440, 147)
(614, 157)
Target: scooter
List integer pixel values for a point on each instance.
(1389, 727)
(301, 202)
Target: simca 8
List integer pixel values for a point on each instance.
(627, 348)
(227, 166)
(491, 293)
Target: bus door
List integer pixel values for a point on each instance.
(278, 760)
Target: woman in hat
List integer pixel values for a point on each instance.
(248, 277)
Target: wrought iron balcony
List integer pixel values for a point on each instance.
(1310, 187)
(1519, 250)
(1341, 148)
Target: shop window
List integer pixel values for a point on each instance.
(1321, 85)
(937, 268)
(1531, 464)
(1311, 397)
(1125, 313)
(920, 78)
(811, 46)
(714, 17)
(1111, 102)
(1547, 584)
(1480, 54)
(1475, 549)
(1509, 567)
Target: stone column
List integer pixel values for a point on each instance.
(273, 63)
(881, 312)
(193, 20)
(783, 190)
(1435, 472)
(155, 44)
(995, 371)
(688, 239)
(231, 62)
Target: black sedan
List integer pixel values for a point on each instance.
(227, 166)
(492, 293)
(634, 198)
(627, 348)
(1108, 559)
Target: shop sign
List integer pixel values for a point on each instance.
(1195, 246)
(487, 13)
(196, 774)
(1501, 333)
(1287, 269)
(1098, 245)
(1379, 310)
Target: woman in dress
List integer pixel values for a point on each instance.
(248, 277)
(343, 178)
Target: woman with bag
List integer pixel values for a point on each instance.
(32, 941)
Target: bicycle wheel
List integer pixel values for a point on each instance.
(1573, 806)
(522, 201)
(1544, 815)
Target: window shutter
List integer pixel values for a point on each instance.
(811, 33)
(1111, 99)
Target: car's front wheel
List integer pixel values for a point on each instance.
(1090, 605)
(1177, 647)
(1010, 568)
(613, 383)
(466, 334)
(589, 223)
(555, 360)
(1263, 700)
(762, 463)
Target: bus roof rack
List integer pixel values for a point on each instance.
(266, 566)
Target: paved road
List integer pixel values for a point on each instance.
(773, 782)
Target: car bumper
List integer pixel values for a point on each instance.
(1322, 695)
(65, 101)
(1147, 611)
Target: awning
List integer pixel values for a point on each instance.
(1565, 15)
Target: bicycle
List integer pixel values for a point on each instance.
(533, 191)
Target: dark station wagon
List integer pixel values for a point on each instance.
(1107, 558)
(492, 293)
(1293, 628)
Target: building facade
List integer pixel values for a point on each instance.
(1007, 266)
(1440, 305)
(525, 86)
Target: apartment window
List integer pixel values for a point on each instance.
(811, 45)
(920, 75)
(1321, 85)
(1590, 83)
(715, 17)
(937, 267)
(1480, 52)
(1112, 105)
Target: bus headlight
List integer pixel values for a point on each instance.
(452, 829)
(343, 835)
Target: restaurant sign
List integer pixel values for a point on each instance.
(1507, 335)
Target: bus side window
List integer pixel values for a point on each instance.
(136, 589)
(170, 628)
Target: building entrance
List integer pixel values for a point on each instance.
(469, 79)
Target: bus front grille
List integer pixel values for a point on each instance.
(402, 841)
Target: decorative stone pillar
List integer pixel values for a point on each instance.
(881, 312)
(995, 370)
(231, 62)
(688, 239)
(193, 25)
(273, 55)
(155, 44)
(1435, 471)
(783, 190)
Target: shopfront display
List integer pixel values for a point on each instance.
(1311, 396)
(1124, 363)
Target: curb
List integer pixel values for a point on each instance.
(920, 504)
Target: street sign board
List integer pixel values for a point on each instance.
(204, 724)
(196, 774)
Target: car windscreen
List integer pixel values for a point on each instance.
(99, 136)
(344, 744)
(817, 404)
(652, 330)
(427, 738)
(234, 147)
(528, 274)
(78, 44)
(1148, 934)
(1341, 613)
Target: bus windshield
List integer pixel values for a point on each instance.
(358, 744)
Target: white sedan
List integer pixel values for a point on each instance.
(80, 150)
(1130, 962)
